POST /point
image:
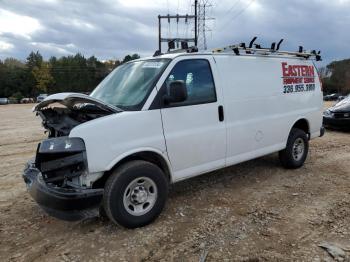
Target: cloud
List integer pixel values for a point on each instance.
(314, 24)
(4, 46)
(22, 25)
(110, 29)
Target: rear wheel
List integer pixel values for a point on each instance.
(135, 194)
(294, 155)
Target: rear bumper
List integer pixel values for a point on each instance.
(336, 122)
(63, 203)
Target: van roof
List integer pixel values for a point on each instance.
(177, 54)
(243, 49)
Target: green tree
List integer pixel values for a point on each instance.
(128, 58)
(13, 63)
(337, 78)
(73, 73)
(12, 77)
(43, 77)
(34, 60)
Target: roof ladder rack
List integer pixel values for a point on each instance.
(273, 50)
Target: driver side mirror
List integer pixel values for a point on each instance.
(177, 92)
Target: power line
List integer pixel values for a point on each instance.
(237, 15)
(231, 8)
(172, 41)
(188, 22)
(201, 26)
(243, 10)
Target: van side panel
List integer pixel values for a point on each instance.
(258, 112)
(317, 115)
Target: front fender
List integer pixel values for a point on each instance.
(109, 139)
(160, 153)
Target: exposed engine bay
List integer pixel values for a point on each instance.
(59, 121)
(60, 158)
(62, 112)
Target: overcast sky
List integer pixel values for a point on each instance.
(110, 29)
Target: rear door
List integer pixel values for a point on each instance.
(194, 130)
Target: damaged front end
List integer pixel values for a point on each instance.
(53, 179)
(64, 111)
(56, 178)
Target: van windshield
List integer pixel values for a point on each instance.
(129, 85)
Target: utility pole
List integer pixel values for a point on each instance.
(203, 6)
(176, 40)
(195, 22)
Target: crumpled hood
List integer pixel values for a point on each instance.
(71, 99)
(342, 106)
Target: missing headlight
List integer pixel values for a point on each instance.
(62, 144)
(61, 159)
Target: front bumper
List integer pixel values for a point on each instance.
(343, 123)
(63, 203)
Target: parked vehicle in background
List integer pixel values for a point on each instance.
(160, 120)
(27, 100)
(340, 98)
(338, 116)
(331, 97)
(41, 97)
(4, 101)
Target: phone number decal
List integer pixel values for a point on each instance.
(298, 88)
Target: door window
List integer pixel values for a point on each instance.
(197, 76)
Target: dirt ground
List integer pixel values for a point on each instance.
(255, 211)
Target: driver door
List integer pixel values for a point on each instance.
(194, 129)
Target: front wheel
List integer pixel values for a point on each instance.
(135, 194)
(295, 153)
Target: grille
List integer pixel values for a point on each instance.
(341, 115)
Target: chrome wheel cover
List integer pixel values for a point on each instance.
(298, 149)
(140, 196)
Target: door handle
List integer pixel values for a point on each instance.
(221, 113)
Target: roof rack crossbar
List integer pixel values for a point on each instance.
(273, 46)
(269, 51)
(252, 42)
(279, 44)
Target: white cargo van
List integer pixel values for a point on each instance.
(163, 119)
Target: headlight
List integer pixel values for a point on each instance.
(63, 144)
(328, 113)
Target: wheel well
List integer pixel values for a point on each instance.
(148, 156)
(303, 125)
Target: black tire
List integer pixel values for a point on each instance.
(120, 180)
(286, 156)
(102, 213)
